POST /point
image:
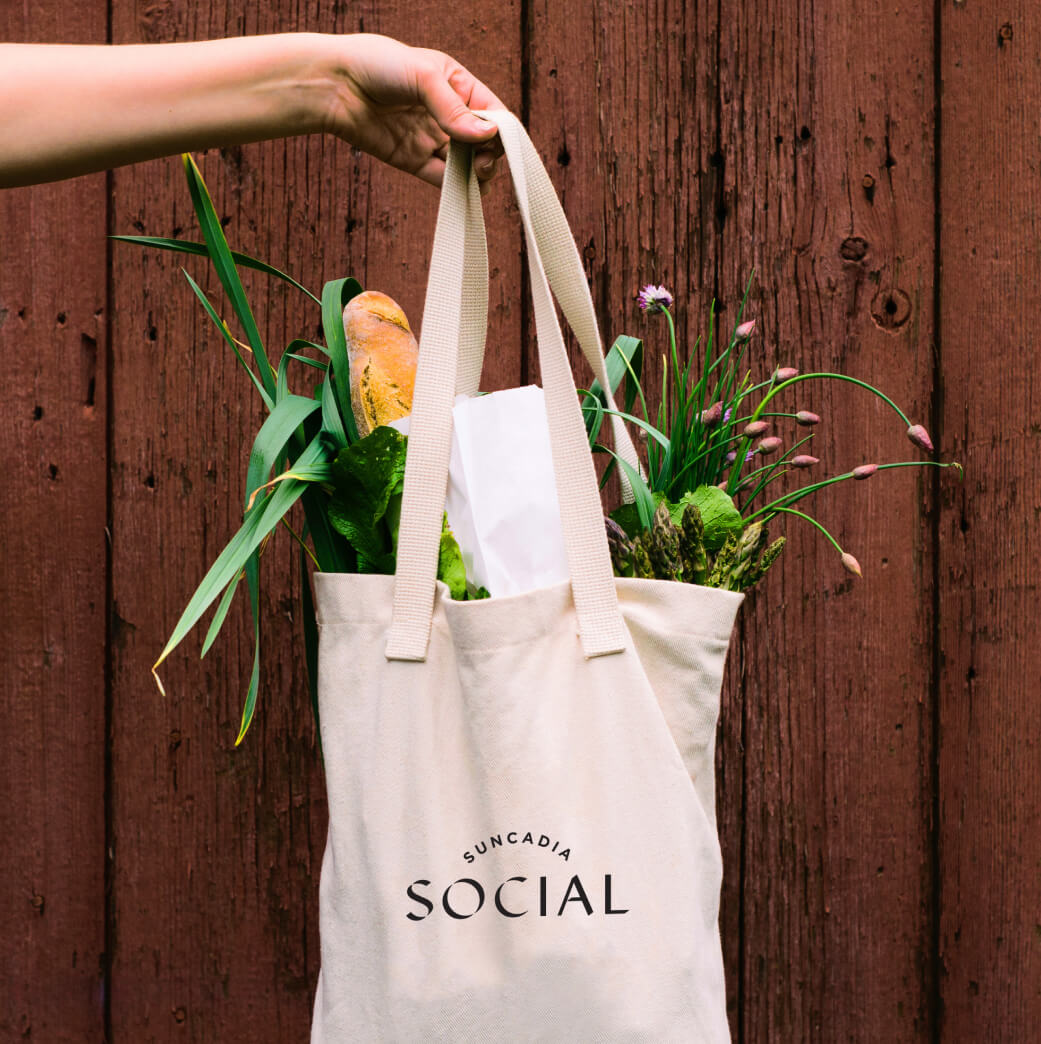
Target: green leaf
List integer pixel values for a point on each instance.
(226, 334)
(367, 477)
(184, 246)
(335, 295)
(331, 422)
(316, 363)
(625, 357)
(333, 553)
(275, 433)
(218, 617)
(644, 500)
(224, 263)
(628, 516)
(253, 583)
(450, 566)
(299, 343)
(259, 521)
(720, 516)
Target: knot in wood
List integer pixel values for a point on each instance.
(891, 309)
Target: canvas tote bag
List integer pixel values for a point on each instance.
(522, 835)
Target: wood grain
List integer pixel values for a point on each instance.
(217, 850)
(990, 692)
(826, 149)
(52, 587)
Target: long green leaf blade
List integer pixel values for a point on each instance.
(250, 706)
(226, 334)
(224, 263)
(260, 520)
(274, 435)
(185, 246)
(335, 295)
(625, 357)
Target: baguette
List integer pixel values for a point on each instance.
(383, 355)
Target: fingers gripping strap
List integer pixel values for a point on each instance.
(452, 270)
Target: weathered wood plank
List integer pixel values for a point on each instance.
(827, 152)
(217, 850)
(52, 586)
(990, 711)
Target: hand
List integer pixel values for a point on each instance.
(402, 104)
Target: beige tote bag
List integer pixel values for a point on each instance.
(522, 833)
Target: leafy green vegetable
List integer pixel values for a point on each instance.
(450, 566)
(367, 479)
(720, 516)
(629, 518)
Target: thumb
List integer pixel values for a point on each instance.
(453, 115)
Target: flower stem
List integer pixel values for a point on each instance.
(813, 521)
(797, 494)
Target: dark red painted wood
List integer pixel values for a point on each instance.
(990, 692)
(52, 586)
(828, 157)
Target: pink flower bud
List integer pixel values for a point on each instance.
(851, 564)
(785, 373)
(864, 471)
(807, 419)
(730, 457)
(712, 416)
(745, 330)
(771, 444)
(920, 437)
(804, 460)
(755, 429)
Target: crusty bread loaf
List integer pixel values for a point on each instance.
(383, 356)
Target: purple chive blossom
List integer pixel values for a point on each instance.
(804, 460)
(730, 457)
(851, 564)
(745, 330)
(710, 417)
(755, 429)
(771, 444)
(726, 415)
(785, 373)
(920, 437)
(749, 455)
(654, 298)
(864, 471)
(807, 419)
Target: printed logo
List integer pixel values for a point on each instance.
(516, 896)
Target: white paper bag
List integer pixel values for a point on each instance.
(502, 495)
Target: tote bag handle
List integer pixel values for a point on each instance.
(449, 351)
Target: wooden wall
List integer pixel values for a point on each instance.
(879, 783)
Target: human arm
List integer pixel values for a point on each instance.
(67, 110)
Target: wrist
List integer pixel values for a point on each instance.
(300, 81)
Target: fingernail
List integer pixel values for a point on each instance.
(480, 124)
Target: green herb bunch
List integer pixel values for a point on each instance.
(307, 449)
(703, 503)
